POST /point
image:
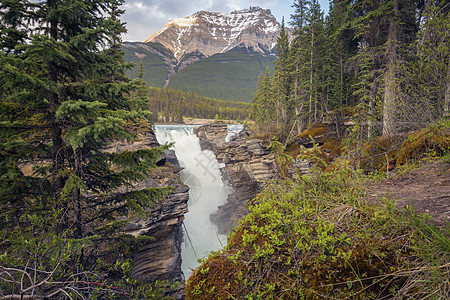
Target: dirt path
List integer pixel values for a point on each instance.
(428, 187)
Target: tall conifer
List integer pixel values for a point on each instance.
(64, 99)
(282, 79)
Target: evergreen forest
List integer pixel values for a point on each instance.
(361, 97)
(385, 63)
(173, 106)
(64, 100)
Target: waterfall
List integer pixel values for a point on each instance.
(207, 191)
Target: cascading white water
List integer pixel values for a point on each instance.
(207, 191)
(233, 130)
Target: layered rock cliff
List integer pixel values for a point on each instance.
(159, 258)
(211, 136)
(248, 167)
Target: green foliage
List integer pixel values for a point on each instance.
(36, 259)
(284, 161)
(389, 56)
(263, 104)
(315, 156)
(64, 99)
(314, 239)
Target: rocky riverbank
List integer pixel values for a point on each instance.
(211, 136)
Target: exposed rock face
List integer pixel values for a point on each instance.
(159, 259)
(211, 136)
(248, 168)
(210, 32)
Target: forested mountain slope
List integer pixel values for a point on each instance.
(213, 54)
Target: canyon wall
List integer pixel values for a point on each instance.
(248, 167)
(159, 258)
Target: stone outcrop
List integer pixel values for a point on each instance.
(159, 258)
(248, 167)
(212, 135)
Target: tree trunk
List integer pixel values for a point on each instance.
(297, 107)
(315, 107)
(447, 93)
(341, 75)
(311, 75)
(74, 215)
(296, 96)
(370, 117)
(56, 132)
(390, 84)
(300, 124)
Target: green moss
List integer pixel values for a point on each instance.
(313, 131)
(330, 148)
(386, 152)
(433, 139)
(379, 154)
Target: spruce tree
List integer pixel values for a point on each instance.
(300, 54)
(341, 44)
(282, 79)
(306, 50)
(64, 98)
(316, 36)
(263, 103)
(424, 79)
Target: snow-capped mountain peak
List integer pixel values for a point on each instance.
(209, 33)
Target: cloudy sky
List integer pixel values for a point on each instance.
(144, 17)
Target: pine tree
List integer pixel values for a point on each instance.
(263, 103)
(425, 76)
(306, 50)
(315, 30)
(63, 100)
(362, 89)
(300, 54)
(341, 44)
(387, 27)
(282, 80)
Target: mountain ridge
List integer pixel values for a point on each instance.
(210, 33)
(217, 55)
